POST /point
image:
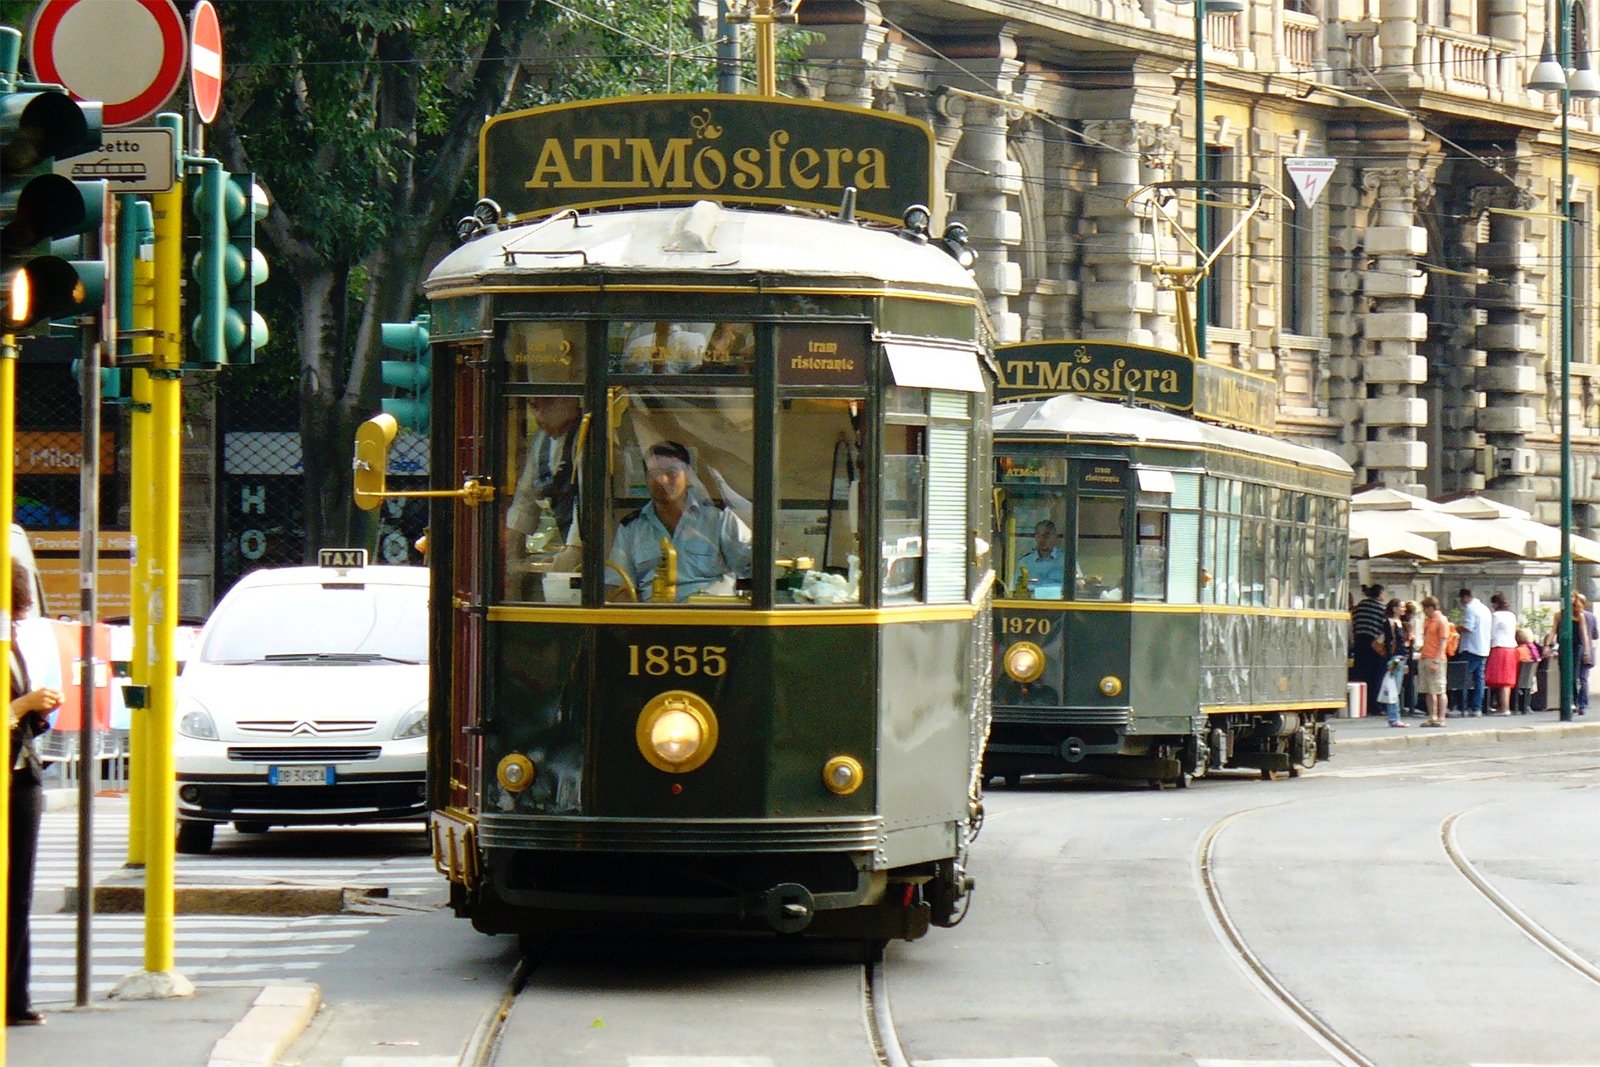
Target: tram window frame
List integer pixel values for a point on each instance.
(1152, 530)
(1183, 539)
(546, 550)
(1025, 505)
(793, 585)
(902, 576)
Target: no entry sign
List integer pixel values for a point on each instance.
(128, 55)
(205, 61)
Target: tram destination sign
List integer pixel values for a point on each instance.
(726, 148)
(1036, 370)
(1111, 370)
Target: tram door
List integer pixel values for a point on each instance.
(468, 592)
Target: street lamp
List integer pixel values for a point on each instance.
(1556, 73)
(1202, 222)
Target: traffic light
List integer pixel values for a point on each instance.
(113, 382)
(136, 277)
(411, 376)
(38, 125)
(228, 267)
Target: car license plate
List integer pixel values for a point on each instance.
(300, 775)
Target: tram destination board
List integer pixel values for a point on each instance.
(682, 148)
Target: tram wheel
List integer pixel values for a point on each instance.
(1182, 781)
(1266, 774)
(194, 838)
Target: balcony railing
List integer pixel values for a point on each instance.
(1462, 64)
(1302, 40)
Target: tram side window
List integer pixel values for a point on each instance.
(1099, 548)
(901, 495)
(820, 485)
(540, 539)
(678, 487)
(1151, 533)
(1183, 553)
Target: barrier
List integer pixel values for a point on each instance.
(1355, 701)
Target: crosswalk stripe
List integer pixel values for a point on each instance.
(1015, 1061)
(699, 1061)
(1264, 1063)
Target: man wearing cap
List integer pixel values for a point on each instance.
(712, 543)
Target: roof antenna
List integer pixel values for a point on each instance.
(847, 204)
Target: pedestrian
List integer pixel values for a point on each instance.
(1433, 660)
(1397, 654)
(1500, 671)
(1411, 622)
(1475, 622)
(29, 708)
(1367, 639)
(1585, 634)
(1527, 652)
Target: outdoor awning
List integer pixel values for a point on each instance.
(1373, 538)
(929, 367)
(1453, 534)
(1544, 540)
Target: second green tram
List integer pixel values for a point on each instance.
(1174, 595)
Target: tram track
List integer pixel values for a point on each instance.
(485, 1046)
(1515, 915)
(1319, 1030)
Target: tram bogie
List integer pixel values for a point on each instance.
(731, 672)
(1173, 598)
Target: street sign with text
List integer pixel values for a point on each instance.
(130, 160)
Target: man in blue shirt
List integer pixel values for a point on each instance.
(1044, 563)
(1475, 623)
(712, 543)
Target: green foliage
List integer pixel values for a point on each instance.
(1537, 620)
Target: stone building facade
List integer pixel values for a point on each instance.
(1410, 318)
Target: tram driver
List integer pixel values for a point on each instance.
(1044, 563)
(712, 543)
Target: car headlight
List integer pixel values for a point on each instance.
(413, 723)
(196, 722)
(676, 731)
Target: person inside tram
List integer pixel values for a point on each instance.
(1044, 562)
(547, 487)
(712, 543)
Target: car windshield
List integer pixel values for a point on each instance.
(321, 624)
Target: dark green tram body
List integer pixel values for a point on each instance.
(1216, 636)
(839, 691)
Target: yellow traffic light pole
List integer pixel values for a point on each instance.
(159, 980)
(8, 421)
(139, 522)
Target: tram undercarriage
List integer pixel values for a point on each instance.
(831, 896)
(1272, 743)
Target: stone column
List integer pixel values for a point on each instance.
(983, 178)
(1120, 298)
(851, 46)
(1509, 379)
(1392, 328)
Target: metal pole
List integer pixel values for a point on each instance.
(763, 17)
(1569, 646)
(727, 51)
(1202, 223)
(88, 562)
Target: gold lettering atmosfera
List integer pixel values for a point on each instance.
(640, 163)
(1116, 379)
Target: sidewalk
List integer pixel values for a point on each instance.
(1375, 731)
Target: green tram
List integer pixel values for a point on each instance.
(712, 652)
(1174, 595)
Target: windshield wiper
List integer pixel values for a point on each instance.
(338, 657)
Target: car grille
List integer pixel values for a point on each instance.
(304, 753)
(378, 796)
(289, 727)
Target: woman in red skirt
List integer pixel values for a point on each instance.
(1500, 673)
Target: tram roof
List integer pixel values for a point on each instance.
(703, 239)
(1083, 417)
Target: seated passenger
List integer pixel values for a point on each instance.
(712, 543)
(1044, 563)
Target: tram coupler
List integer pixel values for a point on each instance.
(788, 907)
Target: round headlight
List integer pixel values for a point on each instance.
(1110, 686)
(677, 731)
(515, 772)
(842, 775)
(1024, 662)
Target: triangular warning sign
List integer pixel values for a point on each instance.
(1310, 176)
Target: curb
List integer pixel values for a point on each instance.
(279, 1015)
(287, 900)
(1417, 739)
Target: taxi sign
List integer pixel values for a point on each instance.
(342, 558)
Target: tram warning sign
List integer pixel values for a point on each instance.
(1310, 176)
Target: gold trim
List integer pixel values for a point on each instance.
(759, 290)
(1293, 705)
(1169, 609)
(642, 615)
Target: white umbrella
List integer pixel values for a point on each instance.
(1454, 535)
(1372, 538)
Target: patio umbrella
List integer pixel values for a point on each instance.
(1373, 538)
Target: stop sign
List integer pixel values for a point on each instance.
(127, 55)
(205, 61)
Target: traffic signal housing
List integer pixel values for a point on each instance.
(228, 267)
(39, 125)
(411, 376)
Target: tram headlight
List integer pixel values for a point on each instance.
(1110, 686)
(677, 731)
(1024, 662)
(843, 775)
(515, 772)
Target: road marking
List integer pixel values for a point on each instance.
(1017, 1061)
(699, 1061)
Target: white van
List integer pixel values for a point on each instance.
(306, 702)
